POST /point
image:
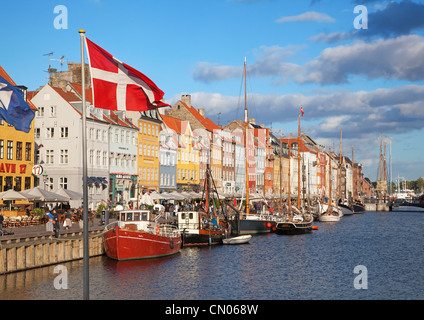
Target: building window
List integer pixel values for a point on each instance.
(9, 150)
(104, 158)
(50, 133)
(18, 183)
(91, 157)
(1, 149)
(40, 112)
(64, 132)
(52, 111)
(49, 184)
(63, 156)
(37, 133)
(8, 183)
(18, 150)
(49, 156)
(28, 151)
(27, 183)
(63, 182)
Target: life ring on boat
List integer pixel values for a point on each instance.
(157, 229)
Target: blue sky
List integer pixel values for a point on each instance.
(365, 82)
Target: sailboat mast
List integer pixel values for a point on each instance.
(339, 187)
(298, 165)
(246, 124)
(331, 180)
(353, 176)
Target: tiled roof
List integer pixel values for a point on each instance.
(4, 74)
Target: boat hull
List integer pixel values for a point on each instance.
(329, 218)
(346, 210)
(293, 228)
(358, 208)
(125, 244)
(201, 237)
(245, 226)
(237, 240)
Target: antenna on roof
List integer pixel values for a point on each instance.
(49, 54)
(61, 59)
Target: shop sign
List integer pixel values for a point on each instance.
(11, 168)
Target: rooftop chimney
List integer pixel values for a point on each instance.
(186, 98)
(202, 112)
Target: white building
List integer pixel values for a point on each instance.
(58, 145)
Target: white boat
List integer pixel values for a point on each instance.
(237, 240)
(329, 217)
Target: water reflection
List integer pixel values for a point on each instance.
(318, 265)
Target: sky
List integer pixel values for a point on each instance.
(355, 66)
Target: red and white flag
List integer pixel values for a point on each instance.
(301, 110)
(117, 86)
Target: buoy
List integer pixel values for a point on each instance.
(314, 227)
(268, 224)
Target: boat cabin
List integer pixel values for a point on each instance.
(193, 220)
(136, 219)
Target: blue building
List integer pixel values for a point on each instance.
(168, 145)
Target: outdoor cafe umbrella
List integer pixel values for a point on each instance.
(46, 196)
(72, 195)
(12, 195)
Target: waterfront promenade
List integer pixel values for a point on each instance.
(32, 246)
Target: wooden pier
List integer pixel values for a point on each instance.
(24, 252)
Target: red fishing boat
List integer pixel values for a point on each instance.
(139, 235)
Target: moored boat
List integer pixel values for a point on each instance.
(139, 235)
(197, 229)
(237, 240)
(358, 207)
(296, 225)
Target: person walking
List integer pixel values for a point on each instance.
(68, 220)
(49, 223)
(1, 223)
(56, 224)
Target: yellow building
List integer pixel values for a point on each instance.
(148, 150)
(16, 151)
(188, 155)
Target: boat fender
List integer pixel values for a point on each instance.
(268, 224)
(314, 227)
(157, 229)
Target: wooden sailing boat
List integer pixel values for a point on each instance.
(296, 220)
(332, 214)
(343, 202)
(247, 222)
(356, 204)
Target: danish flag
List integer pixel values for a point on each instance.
(117, 86)
(301, 110)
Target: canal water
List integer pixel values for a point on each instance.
(371, 256)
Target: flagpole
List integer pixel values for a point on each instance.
(84, 178)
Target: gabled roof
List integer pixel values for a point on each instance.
(4, 74)
(207, 123)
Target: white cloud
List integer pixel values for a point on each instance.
(307, 16)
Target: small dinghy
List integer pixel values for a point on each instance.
(237, 240)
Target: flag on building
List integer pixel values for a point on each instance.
(13, 107)
(117, 86)
(301, 110)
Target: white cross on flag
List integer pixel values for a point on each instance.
(117, 86)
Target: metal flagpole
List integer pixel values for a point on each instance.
(84, 178)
